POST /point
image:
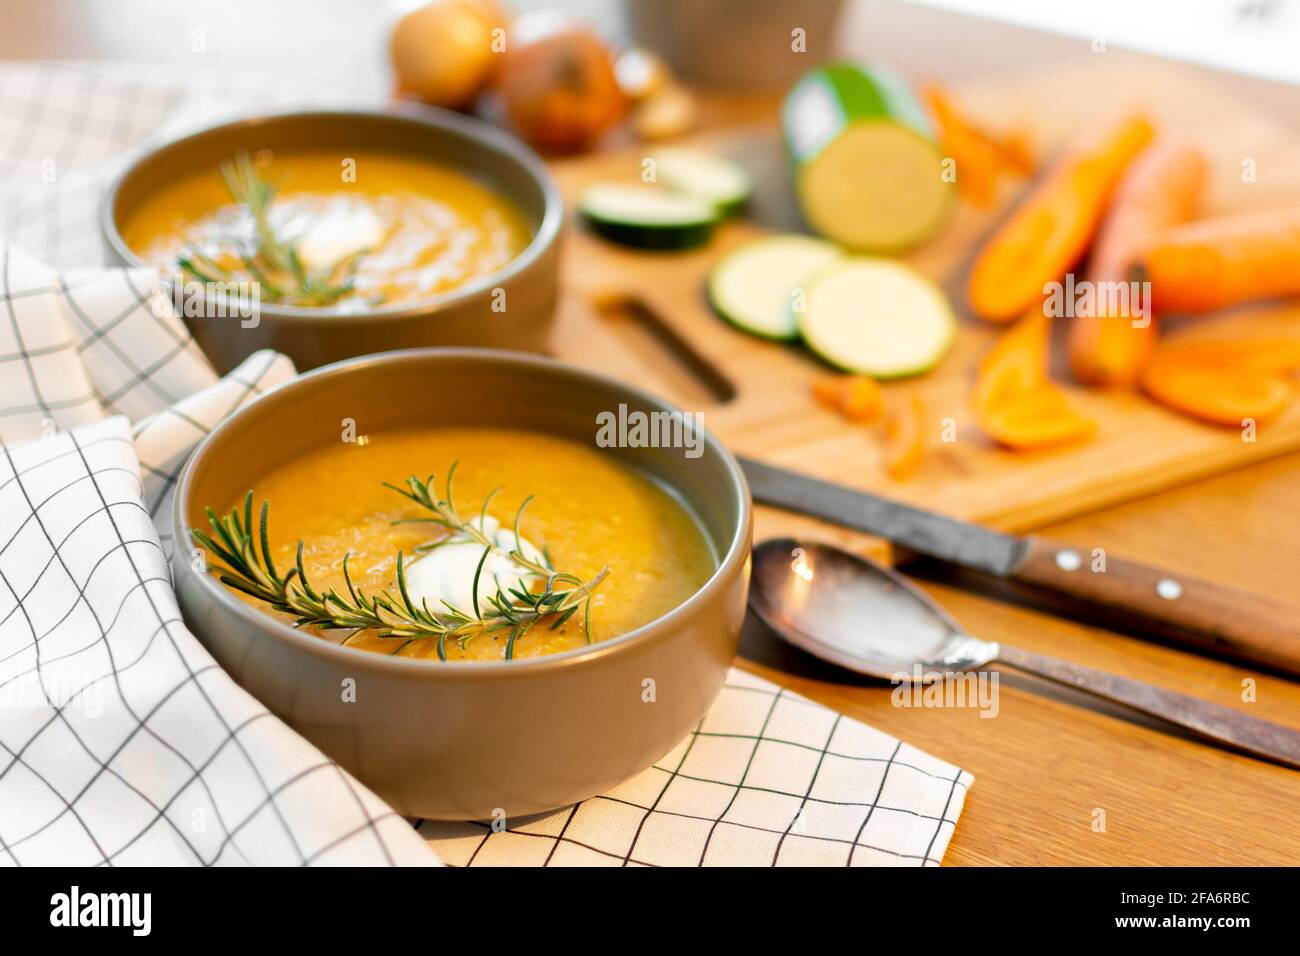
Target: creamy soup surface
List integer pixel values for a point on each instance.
(415, 228)
(588, 511)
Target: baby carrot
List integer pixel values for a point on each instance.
(1213, 263)
(1109, 346)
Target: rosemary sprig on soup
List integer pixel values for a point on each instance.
(401, 568)
(515, 606)
(267, 257)
(322, 229)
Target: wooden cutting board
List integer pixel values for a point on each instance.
(643, 317)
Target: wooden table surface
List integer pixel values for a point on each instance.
(1048, 762)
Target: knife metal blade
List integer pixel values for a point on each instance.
(917, 530)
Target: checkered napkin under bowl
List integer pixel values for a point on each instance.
(122, 742)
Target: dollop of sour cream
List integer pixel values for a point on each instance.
(447, 572)
(344, 229)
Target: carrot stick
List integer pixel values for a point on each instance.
(1212, 263)
(1108, 346)
(1051, 229)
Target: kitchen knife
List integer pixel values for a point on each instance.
(1188, 610)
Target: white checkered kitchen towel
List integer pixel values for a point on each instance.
(122, 742)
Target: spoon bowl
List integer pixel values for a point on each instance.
(856, 613)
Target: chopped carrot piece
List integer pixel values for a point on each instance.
(856, 397)
(905, 444)
(1016, 403)
(981, 156)
(1016, 154)
(1016, 363)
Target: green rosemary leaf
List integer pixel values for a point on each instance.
(227, 538)
(242, 584)
(517, 632)
(212, 546)
(347, 580)
(483, 511)
(477, 572)
(401, 586)
(519, 515)
(187, 265)
(559, 621)
(302, 577)
(451, 473)
(266, 540)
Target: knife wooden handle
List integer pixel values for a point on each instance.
(1188, 610)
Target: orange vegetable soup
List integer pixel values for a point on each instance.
(398, 227)
(588, 512)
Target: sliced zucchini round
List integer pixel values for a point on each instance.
(876, 317)
(697, 173)
(647, 217)
(868, 171)
(755, 286)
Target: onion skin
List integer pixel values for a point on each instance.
(559, 86)
(443, 52)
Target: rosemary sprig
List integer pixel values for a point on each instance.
(272, 261)
(250, 569)
(443, 513)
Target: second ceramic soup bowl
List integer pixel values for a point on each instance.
(508, 307)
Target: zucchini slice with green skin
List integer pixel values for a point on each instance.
(647, 217)
(868, 170)
(755, 285)
(876, 317)
(697, 173)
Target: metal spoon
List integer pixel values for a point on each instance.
(868, 618)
